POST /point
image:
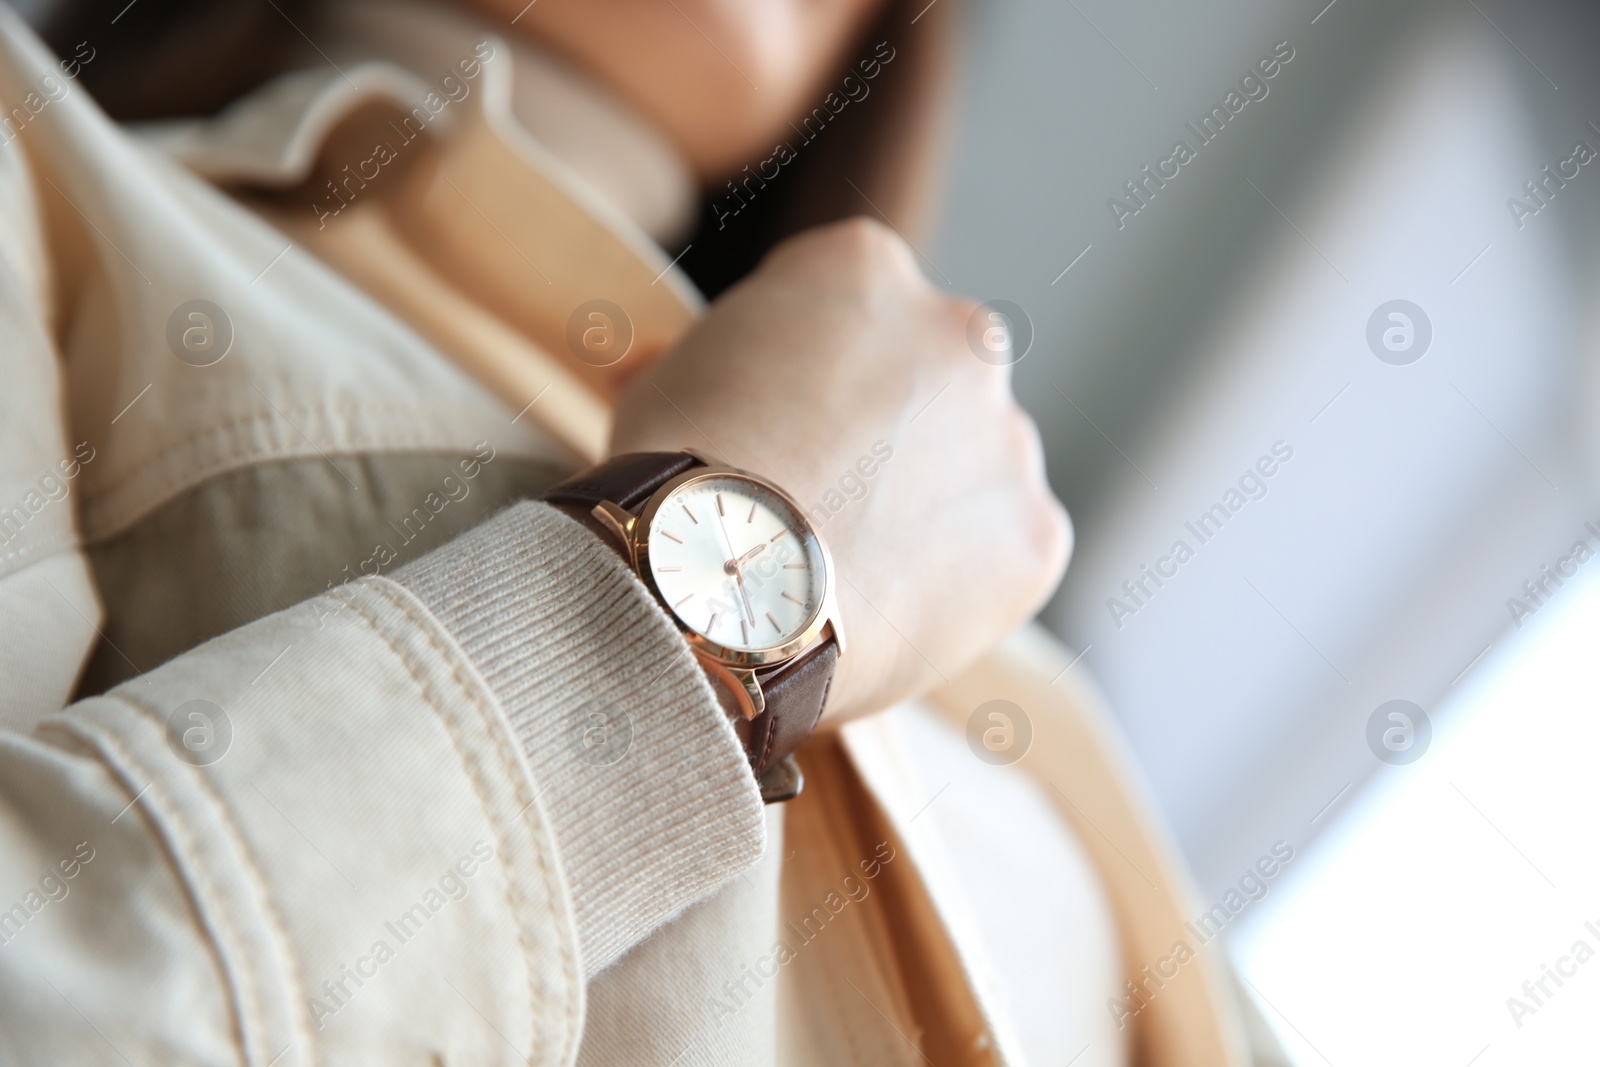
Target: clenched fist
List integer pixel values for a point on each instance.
(838, 372)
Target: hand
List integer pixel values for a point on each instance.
(835, 343)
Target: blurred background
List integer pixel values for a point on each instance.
(1430, 477)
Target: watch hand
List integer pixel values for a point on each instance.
(744, 595)
(733, 563)
(756, 551)
(734, 567)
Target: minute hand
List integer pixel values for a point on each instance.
(733, 567)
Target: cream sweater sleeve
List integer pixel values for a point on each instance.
(647, 787)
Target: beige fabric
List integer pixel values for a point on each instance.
(159, 238)
(1084, 769)
(233, 548)
(370, 872)
(1014, 889)
(219, 900)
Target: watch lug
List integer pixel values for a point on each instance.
(619, 522)
(838, 634)
(752, 689)
(740, 682)
(703, 458)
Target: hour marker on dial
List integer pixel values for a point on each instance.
(682, 602)
(794, 566)
(790, 596)
(692, 517)
(779, 534)
(675, 537)
(752, 516)
(719, 505)
(669, 568)
(774, 623)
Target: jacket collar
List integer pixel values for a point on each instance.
(413, 51)
(458, 219)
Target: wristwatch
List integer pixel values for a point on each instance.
(746, 578)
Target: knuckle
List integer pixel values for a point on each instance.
(863, 235)
(957, 311)
(1026, 446)
(949, 317)
(858, 259)
(864, 247)
(1055, 534)
(1048, 528)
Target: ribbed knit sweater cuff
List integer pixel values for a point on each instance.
(647, 788)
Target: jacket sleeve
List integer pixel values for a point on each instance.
(402, 822)
(399, 823)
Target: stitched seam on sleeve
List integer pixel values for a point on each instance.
(452, 657)
(275, 925)
(195, 874)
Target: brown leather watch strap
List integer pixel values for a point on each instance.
(795, 692)
(626, 480)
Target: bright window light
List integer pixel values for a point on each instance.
(1452, 915)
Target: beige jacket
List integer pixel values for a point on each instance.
(300, 707)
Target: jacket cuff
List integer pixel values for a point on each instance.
(639, 771)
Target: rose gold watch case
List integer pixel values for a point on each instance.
(634, 532)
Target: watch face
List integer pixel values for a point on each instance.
(736, 563)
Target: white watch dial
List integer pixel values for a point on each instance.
(736, 563)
